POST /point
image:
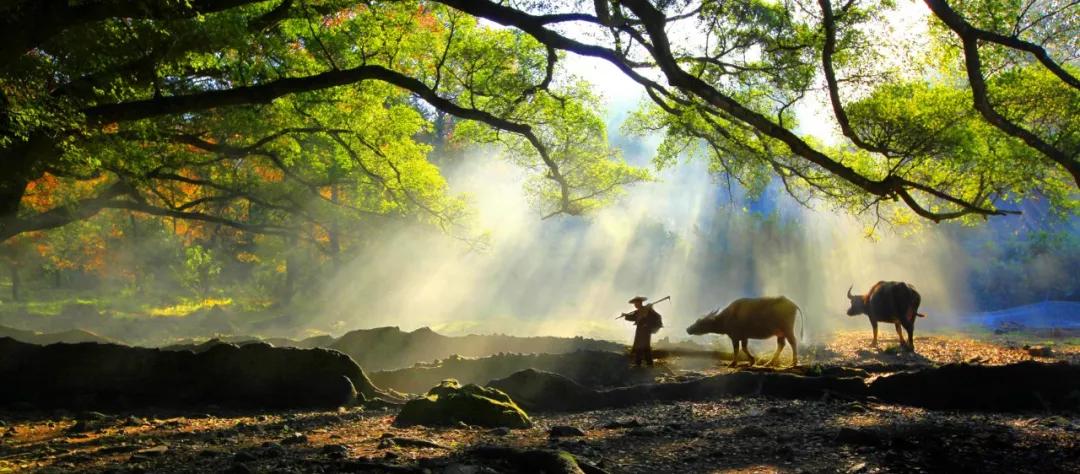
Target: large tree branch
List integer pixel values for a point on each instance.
(535, 26)
(119, 195)
(267, 92)
(255, 149)
(961, 27)
(654, 23)
(28, 23)
(828, 20)
(443, 219)
(197, 216)
(969, 38)
(63, 214)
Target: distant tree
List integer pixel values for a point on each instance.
(200, 270)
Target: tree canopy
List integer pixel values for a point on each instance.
(280, 116)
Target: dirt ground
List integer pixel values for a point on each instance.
(730, 435)
(848, 348)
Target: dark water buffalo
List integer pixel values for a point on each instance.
(889, 302)
(753, 318)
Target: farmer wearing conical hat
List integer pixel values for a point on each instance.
(648, 322)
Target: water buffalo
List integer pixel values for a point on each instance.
(889, 302)
(753, 318)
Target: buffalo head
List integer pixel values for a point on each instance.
(713, 323)
(858, 304)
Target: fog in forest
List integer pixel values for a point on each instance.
(682, 236)
(687, 234)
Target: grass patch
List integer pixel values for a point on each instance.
(49, 307)
(185, 308)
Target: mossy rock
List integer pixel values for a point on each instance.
(449, 404)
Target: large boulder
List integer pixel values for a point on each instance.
(110, 375)
(450, 404)
(545, 391)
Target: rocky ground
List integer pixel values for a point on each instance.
(730, 435)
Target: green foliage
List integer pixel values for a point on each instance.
(322, 160)
(1025, 267)
(909, 107)
(579, 147)
(200, 270)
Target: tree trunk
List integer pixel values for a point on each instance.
(134, 228)
(19, 165)
(333, 230)
(11, 192)
(290, 271)
(16, 284)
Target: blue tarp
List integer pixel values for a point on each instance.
(1047, 314)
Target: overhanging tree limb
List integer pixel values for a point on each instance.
(265, 93)
(654, 22)
(963, 28)
(828, 21)
(29, 23)
(969, 38)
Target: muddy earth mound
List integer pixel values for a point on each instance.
(1014, 387)
(194, 345)
(70, 336)
(391, 348)
(1025, 385)
(594, 369)
(91, 375)
(543, 391)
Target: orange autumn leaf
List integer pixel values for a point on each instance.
(426, 19)
(41, 194)
(189, 230)
(269, 174)
(320, 235)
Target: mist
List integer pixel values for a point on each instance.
(682, 236)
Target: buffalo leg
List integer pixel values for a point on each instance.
(910, 326)
(735, 353)
(794, 350)
(746, 349)
(900, 334)
(779, 349)
(874, 324)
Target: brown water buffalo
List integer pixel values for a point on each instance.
(889, 302)
(753, 318)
